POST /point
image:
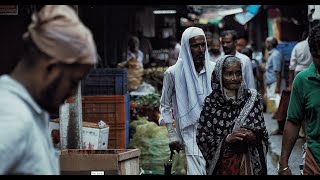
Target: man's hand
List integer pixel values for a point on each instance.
(173, 138)
(286, 171)
(175, 145)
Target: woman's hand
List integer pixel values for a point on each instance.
(250, 137)
(236, 135)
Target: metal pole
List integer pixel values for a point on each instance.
(70, 115)
(75, 123)
(71, 122)
(64, 117)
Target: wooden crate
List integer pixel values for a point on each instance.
(108, 162)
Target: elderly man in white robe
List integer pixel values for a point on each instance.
(185, 86)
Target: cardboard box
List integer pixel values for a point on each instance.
(93, 137)
(106, 162)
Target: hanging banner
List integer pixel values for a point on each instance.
(248, 14)
(8, 9)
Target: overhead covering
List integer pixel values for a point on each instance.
(248, 14)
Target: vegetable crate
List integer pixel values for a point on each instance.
(105, 81)
(114, 111)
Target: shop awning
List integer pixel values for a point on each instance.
(249, 12)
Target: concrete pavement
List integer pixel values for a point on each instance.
(275, 149)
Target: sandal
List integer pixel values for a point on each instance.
(276, 132)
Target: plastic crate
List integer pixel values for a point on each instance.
(114, 111)
(105, 81)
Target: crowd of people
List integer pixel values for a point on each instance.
(220, 125)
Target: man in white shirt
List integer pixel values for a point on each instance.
(300, 59)
(228, 40)
(185, 86)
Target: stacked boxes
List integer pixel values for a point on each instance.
(105, 97)
(113, 110)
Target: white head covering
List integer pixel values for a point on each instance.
(57, 31)
(196, 32)
(189, 96)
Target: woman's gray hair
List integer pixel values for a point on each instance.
(230, 60)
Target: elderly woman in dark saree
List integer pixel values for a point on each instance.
(231, 134)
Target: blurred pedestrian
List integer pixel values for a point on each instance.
(133, 50)
(174, 49)
(216, 50)
(209, 38)
(228, 40)
(146, 48)
(273, 79)
(241, 42)
(255, 68)
(256, 54)
(300, 59)
(59, 51)
(231, 134)
(185, 86)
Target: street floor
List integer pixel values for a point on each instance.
(275, 149)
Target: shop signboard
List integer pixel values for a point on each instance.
(8, 9)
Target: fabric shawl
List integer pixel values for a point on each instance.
(189, 96)
(221, 115)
